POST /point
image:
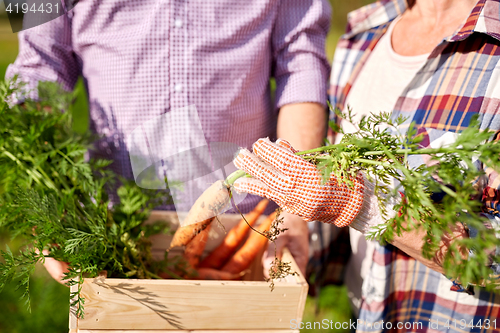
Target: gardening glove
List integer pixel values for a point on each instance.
(295, 185)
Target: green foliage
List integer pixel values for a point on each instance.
(49, 302)
(384, 154)
(329, 308)
(57, 201)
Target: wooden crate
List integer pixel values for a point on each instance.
(156, 306)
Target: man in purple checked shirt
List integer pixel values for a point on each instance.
(141, 59)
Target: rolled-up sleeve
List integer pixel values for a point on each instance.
(301, 68)
(46, 54)
(491, 209)
(489, 186)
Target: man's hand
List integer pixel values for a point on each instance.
(56, 269)
(296, 239)
(295, 184)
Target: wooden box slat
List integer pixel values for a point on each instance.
(184, 331)
(141, 306)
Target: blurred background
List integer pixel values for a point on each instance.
(50, 300)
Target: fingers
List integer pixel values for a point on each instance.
(261, 170)
(297, 239)
(286, 144)
(279, 156)
(257, 187)
(56, 269)
(301, 258)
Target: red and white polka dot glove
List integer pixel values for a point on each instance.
(295, 184)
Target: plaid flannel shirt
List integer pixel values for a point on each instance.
(459, 79)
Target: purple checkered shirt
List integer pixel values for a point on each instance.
(141, 59)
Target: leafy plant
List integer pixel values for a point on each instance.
(57, 200)
(379, 149)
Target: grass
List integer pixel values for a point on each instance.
(49, 304)
(50, 307)
(331, 305)
(50, 299)
(8, 46)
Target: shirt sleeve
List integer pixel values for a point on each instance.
(489, 187)
(491, 210)
(300, 65)
(46, 54)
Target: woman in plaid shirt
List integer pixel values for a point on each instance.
(437, 64)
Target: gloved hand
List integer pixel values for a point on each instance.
(295, 185)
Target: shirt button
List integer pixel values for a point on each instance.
(178, 87)
(314, 237)
(178, 23)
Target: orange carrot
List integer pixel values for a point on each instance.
(194, 249)
(243, 258)
(234, 237)
(204, 210)
(185, 234)
(214, 274)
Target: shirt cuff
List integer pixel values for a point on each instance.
(370, 214)
(308, 86)
(494, 223)
(26, 87)
(460, 289)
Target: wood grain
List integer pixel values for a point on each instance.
(184, 331)
(140, 306)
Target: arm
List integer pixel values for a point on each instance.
(302, 124)
(295, 185)
(298, 45)
(301, 73)
(488, 193)
(412, 243)
(46, 54)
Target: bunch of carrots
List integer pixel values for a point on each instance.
(229, 261)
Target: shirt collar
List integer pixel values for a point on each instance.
(484, 18)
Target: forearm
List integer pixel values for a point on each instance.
(412, 242)
(302, 124)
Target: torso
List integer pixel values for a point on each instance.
(378, 87)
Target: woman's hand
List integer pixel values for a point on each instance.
(295, 184)
(56, 269)
(412, 243)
